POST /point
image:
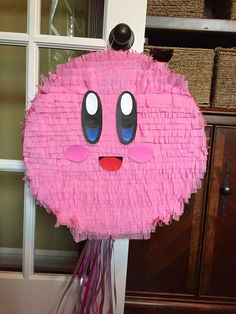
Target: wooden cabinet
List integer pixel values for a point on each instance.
(190, 265)
(218, 276)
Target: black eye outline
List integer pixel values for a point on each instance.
(91, 122)
(126, 123)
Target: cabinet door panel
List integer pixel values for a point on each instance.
(169, 261)
(219, 259)
(162, 264)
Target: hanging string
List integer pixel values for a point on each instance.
(93, 270)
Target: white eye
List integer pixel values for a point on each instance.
(91, 103)
(126, 104)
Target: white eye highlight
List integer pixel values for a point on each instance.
(91, 103)
(126, 104)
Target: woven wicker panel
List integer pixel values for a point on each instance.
(183, 8)
(196, 65)
(224, 79)
(233, 10)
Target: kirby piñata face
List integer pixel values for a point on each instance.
(113, 145)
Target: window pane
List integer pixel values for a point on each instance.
(13, 16)
(49, 58)
(11, 220)
(12, 100)
(80, 18)
(55, 249)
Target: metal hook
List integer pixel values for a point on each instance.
(225, 190)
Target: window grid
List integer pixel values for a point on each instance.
(33, 40)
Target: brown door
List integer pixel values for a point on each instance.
(219, 258)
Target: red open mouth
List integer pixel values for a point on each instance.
(110, 163)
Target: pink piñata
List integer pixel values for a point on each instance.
(114, 144)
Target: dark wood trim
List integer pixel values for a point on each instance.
(156, 298)
(221, 117)
(218, 111)
(213, 200)
(174, 299)
(198, 218)
(161, 306)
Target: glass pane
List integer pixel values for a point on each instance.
(80, 18)
(13, 16)
(12, 100)
(11, 220)
(55, 249)
(49, 58)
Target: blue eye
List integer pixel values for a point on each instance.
(126, 134)
(91, 117)
(126, 117)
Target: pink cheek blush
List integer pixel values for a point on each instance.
(140, 153)
(76, 153)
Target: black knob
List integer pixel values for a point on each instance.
(225, 190)
(121, 37)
